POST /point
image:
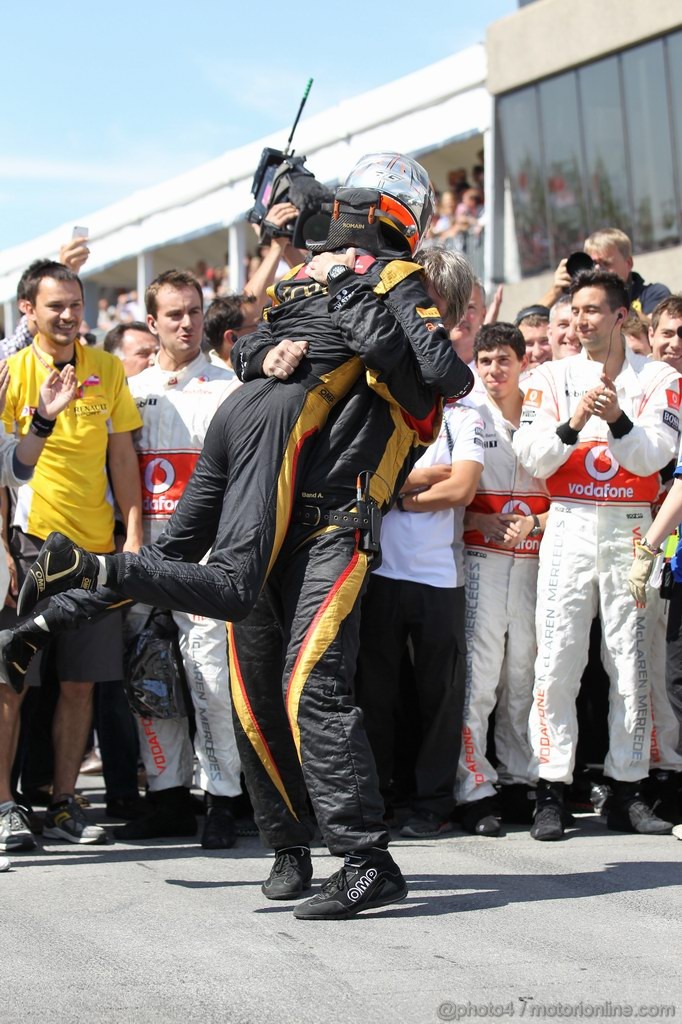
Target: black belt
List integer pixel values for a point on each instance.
(313, 515)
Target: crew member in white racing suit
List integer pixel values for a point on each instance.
(176, 409)
(503, 527)
(598, 427)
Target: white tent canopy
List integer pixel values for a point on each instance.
(415, 114)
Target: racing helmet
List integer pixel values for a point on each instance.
(407, 197)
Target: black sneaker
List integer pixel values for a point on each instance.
(61, 565)
(220, 828)
(482, 817)
(548, 824)
(15, 657)
(290, 875)
(366, 880)
(663, 795)
(636, 816)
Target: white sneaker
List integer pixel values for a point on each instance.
(15, 833)
(4, 864)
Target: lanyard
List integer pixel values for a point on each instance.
(44, 363)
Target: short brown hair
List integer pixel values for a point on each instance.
(40, 269)
(225, 313)
(170, 279)
(534, 320)
(672, 306)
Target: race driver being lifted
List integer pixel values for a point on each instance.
(598, 427)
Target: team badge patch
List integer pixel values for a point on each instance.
(533, 397)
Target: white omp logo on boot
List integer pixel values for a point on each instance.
(362, 885)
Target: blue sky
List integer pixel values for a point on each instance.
(101, 99)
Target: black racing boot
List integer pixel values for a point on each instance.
(368, 879)
(220, 827)
(663, 793)
(628, 812)
(170, 816)
(17, 648)
(290, 875)
(549, 818)
(481, 817)
(517, 802)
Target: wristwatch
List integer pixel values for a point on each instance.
(537, 529)
(336, 271)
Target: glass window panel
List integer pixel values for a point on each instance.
(646, 102)
(563, 163)
(675, 69)
(521, 148)
(602, 118)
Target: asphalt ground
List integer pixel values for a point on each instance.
(162, 931)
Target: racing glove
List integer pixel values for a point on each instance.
(641, 570)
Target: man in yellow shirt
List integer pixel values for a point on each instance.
(70, 491)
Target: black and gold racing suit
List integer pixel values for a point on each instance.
(292, 661)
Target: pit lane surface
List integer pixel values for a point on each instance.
(502, 928)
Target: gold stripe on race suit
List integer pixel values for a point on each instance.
(321, 633)
(249, 724)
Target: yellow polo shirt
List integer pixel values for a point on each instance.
(69, 490)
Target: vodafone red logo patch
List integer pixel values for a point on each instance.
(164, 478)
(600, 463)
(673, 398)
(159, 476)
(516, 507)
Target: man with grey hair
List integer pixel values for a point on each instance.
(563, 340)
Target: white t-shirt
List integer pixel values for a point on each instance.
(427, 547)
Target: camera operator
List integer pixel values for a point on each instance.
(611, 251)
